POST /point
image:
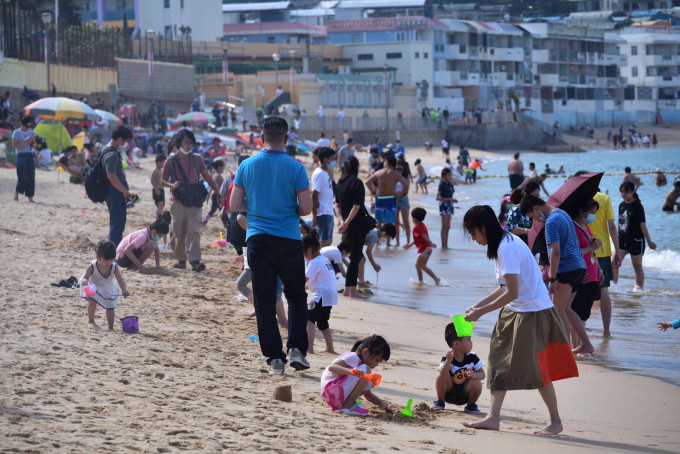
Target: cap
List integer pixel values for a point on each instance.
(389, 145)
(658, 169)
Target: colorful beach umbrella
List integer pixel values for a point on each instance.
(108, 119)
(55, 135)
(195, 118)
(61, 109)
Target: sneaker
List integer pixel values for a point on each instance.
(438, 405)
(296, 360)
(276, 367)
(472, 408)
(355, 410)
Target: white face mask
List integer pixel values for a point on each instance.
(184, 152)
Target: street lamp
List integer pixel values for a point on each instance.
(276, 57)
(150, 36)
(291, 54)
(385, 86)
(46, 17)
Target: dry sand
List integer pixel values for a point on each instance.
(192, 381)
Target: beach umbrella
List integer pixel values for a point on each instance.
(62, 109)
(567, 197)
(195, 118)
(55, 134)
(108, 119)
(226, 130)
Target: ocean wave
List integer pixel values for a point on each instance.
(666, 260)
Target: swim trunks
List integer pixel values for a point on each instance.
(667, 208)
(386, 209)
(421, 178)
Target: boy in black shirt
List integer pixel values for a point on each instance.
(460, 374)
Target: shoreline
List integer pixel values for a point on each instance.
(191, 380)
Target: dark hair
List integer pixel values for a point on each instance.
(160, 158)
(106, 250)
(217, 163)
(27, 121)
(627, 170)
(516, 156)
(166, 216)
(445, 171)
(451, 335)
(351, 169)
(304, 226)
(483, 217)
(311, 240)
(89, 146)
(70, 149)
(581, 172)
(418, 161)
(325, 152)
(629, 187)
(345, 245)
(389, 229)
(676, 184)
(529, 202)
(529, 187)
(586, 205)
(504, 210)
(375, 344)
(160, 226)
(350, 139)
(516, 196)
(391, 160)
(121, 132)
(418, 214)
(275, 129)
(532, 164)
(179, 138)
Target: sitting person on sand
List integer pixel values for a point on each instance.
(672, 197)
(74, 163)
(100, 273)
(135, 248)
(460, 374)
(321, 284)
(341, 389)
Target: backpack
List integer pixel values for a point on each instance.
(96, 180)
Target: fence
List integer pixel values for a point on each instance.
(23, 37)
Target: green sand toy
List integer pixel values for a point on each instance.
(407, 411)
(463, 327)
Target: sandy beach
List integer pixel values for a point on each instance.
(193, 381)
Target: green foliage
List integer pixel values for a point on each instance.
(69, 10)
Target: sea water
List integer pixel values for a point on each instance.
(638, 346)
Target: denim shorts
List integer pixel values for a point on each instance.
(402, 202)
(325, 222)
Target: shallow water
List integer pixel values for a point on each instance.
(638, 347)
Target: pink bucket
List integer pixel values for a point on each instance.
(130, 324)
(90, 290)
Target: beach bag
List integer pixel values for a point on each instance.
(364, 222)
(189, 194)
(235, 233)
(96, 180)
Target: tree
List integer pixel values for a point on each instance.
(69, 10)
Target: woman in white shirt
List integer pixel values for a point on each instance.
(529, 348)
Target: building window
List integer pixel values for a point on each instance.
(633, 50)
(417, 54)
(393, 55)
(424, 54)
(168, 32)
(166, 4)
(401, 36)
(365, 57)
(271, 39)
(634, 71)
(356, 38)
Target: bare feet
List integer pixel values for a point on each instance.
(330, 351)
(16, 197)
(437, 281)
(487, 423)
(584, 349)
(357, 295)
(551, 429)
(310, 352)
(607, 335)
(30, 199)
(93, 325)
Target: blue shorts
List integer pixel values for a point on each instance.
(386, 209)
(325, 222)
(403, 203)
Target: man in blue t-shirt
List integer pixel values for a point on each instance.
(274, 190)
(567, 267)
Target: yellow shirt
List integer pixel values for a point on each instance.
(599, 228)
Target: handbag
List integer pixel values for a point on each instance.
(236, 235)
(189, 194)
(364, 222)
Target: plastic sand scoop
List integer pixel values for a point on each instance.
(373, 379)
(221, 242)
(407, 411)
(463, 327)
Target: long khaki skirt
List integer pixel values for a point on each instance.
(529, 350)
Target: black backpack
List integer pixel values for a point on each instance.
(96, 179)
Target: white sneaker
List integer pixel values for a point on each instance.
(638, 289)
(296, 360)
(276, 367)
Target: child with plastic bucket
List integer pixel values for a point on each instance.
(97, 284)
(342, 382)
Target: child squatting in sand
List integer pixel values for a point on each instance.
(460, 374)
(340, 389)
(101, 272)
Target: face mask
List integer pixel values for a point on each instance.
(331, 164)
(184, 152)
(156, 238)
(590, 218)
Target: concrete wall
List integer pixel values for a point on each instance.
(173, 83)
(497, 137)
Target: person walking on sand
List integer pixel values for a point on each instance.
(515, 171)
(22, 143)
(529, 348)
(386, 194)
(118, 192)
(274, 190)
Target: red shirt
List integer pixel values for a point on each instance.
(418, 232)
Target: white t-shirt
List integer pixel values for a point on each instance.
(322, 184)
(445, 144)
(514, 257)
(323, 142)
(332, 253)
(321, 281)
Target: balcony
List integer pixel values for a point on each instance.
(540, 56)
(510, 54)
(550, 79)
(458, 51)
(456, 78)
(614, 59)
